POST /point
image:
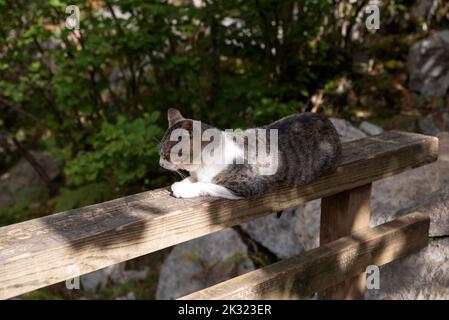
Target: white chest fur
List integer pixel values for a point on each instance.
(229, 152)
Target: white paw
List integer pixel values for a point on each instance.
(185, 190)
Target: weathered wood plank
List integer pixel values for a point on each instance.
(43, 251)
(327, 265)
(342, 214)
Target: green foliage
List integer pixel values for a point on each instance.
(82, 196)
(93, 96)
(143, 289)
(18, 212)
(120, 153)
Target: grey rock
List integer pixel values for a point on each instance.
(434, 123)
(370, 129)
(428, 65)
(23, 181)
(392, 196)
(422, 275)
(276, 234)
(130, 296)
(436, 205)
(100, 278)
(424, 189)
(115, 274)
(124, 276)
(424, 9)
(346, 130)
(307, 227)
(202, 262)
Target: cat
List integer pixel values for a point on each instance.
(308, 146)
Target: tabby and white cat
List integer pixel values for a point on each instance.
(308, 146)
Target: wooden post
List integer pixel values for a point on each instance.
(341, 215)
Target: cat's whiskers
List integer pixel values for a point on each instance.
(158, 144)
(183, 176)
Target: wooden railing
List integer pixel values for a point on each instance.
(44, 251)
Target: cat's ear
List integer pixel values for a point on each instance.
(187, 125)
(174, 116)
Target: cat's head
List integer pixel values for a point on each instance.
(183, 161)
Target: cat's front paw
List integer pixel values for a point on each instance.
(184, 190)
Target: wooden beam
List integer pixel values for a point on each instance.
(327, 265)
(341, 215)
(47, 250)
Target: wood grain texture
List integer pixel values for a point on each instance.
(43, 251)
(341, 215)
(327, 265)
